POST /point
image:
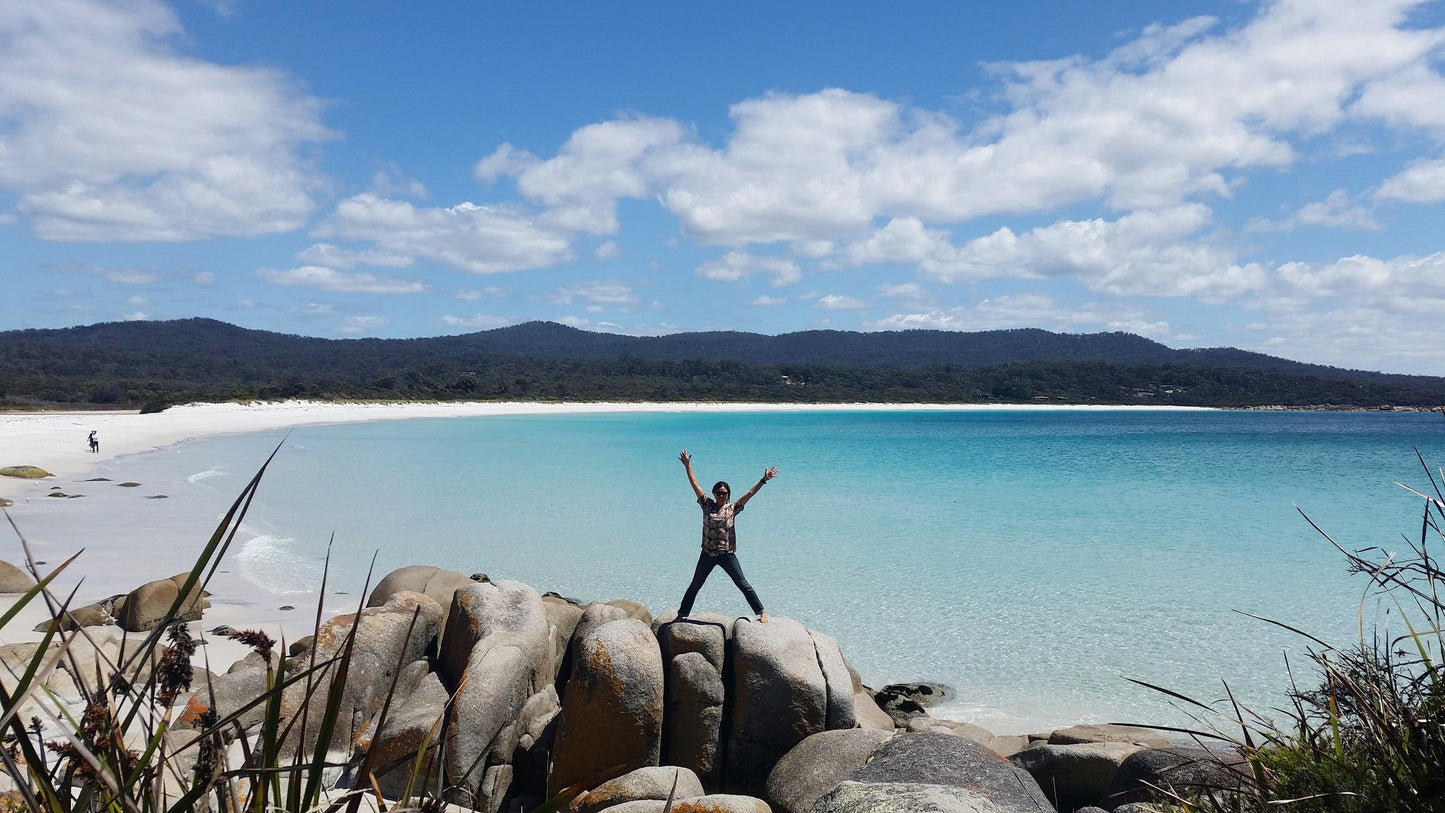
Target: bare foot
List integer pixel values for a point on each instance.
(763, 618)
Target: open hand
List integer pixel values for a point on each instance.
(769, 474)
(685, 458)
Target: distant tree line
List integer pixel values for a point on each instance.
(153, 364)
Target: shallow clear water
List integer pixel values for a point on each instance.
(1032, 559)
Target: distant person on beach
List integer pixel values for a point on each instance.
(719, 539)
(94, 443)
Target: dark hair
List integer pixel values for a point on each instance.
(722, 484)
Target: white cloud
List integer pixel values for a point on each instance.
(1147, 253)
(343, 258)
(315, 309)
(390, 182)
(138, 301)
(904, 240)
(473, 295)
(608, 251)
(1338, 211)
(838, 302)
(109, 133)
(737, 265)
(1351, 278)
(769, 301)
(477, 321)
(138, 316)
(468, 237)
(203, 278)
(329, 279)
(1025, 310)
(594, 293)
(1420, 182)
(119, 276)
(362, 324)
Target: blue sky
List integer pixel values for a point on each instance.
(1263, 175)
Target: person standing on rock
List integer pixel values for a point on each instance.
(719, 539)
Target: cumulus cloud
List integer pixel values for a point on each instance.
(608, 251)
(477, 321)
(203, 278)
(1420, 182)
(119, 276)
(838, 302)
(769, 301)
(467, 237)
(345, 258)
(362, 324)
(108, 132)
(1143, 253)
(390, 181)
(737, 265)
(594, 293)
(329, 279)
(1027, 310)
(1338, 211)
(474, 295)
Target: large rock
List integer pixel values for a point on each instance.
(910, 797)
(25, 472)
(958, 728)
(408, 740)
(1076, 774)
(148, 605)
(780, 698)
(1142, 737)
(562, 620)
(633, 609)
(944, 760)
(612, 709)
(836, 681)
(707, 637)
(102, 613)
(386, 640)
(715, 803)
(436, 583)
(868, 713)
(643, 783)
(14, 579)
(817, 764)
(1185, 770)
(496, 651)
(692, 720)
(900, 707)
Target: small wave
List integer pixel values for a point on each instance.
(205, 475)
(270, 563)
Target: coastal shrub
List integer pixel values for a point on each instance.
(1370, 738)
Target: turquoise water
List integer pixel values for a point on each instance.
(1032, 559)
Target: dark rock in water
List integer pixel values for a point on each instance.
(480, 577)
(98, 480)
(57, 493)
(612, 709)
(643, 783)
(73, 496)
(1184, 770)
(1076, 774)
(128, 484)
(926, 695)
(286, 607)
(817, 764)
(14, 579)
(156, 497)
(899, 707)
(553, 594)
(935, 772)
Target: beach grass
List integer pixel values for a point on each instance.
(126, 753)
(1369, 737)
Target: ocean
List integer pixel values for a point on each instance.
(1034, 560)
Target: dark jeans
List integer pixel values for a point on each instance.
(729, 563)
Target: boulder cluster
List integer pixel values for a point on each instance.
(497, 698)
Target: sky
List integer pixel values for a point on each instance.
(1262, 175)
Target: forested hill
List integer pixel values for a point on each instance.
(135, 362)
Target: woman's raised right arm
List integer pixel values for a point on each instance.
(691, 478)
